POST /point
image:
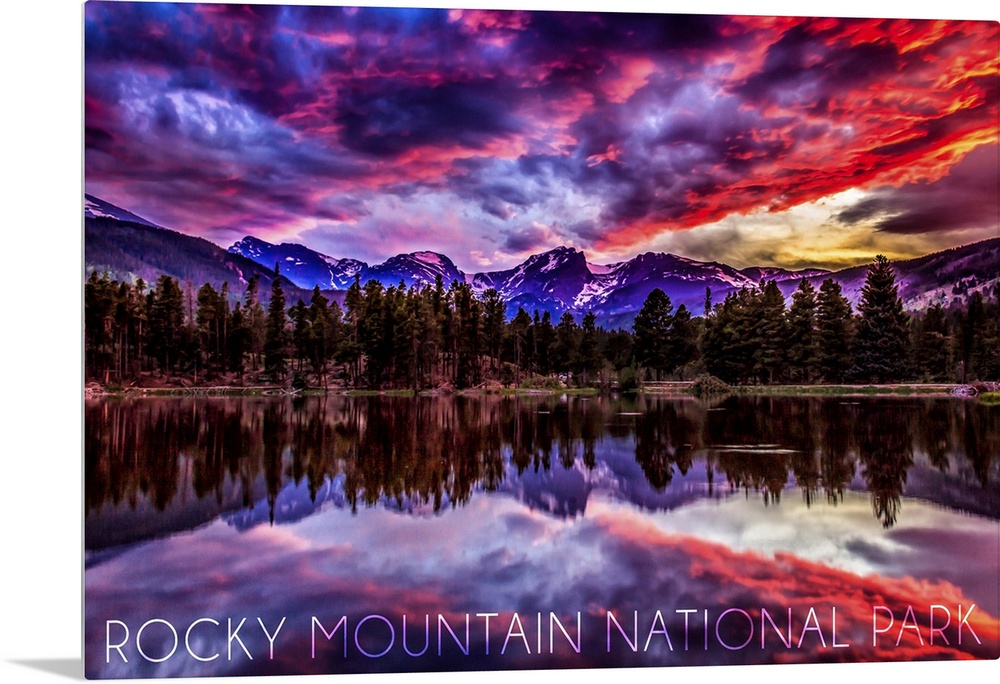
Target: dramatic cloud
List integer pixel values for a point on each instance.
(967, 198)
(611, 131)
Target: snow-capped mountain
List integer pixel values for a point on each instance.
(416, 268)
(94, 207)
(619, 294)
(550, 281)
(779, 275)
(563, 280)
(126, 246)
(947, 278)
(559, 280)
(308, 268)
(301, 265)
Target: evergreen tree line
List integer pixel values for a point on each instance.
(428, 336)
(752, 338)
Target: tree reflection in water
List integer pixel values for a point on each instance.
(194, 458)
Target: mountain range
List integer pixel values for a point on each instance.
(127, 246)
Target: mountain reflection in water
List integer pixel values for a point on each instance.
(443, 508)
(207, 456)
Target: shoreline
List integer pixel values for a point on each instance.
(988, 394)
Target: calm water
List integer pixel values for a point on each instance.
(262, 535)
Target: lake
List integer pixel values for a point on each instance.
(265, 535)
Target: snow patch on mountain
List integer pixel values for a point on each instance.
(95, 207)
(550, 263)
(595, 292)
(778, 275)
(429, 258)
(94, 210)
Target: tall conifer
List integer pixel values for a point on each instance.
(835, 330)
(881, 342)
(803, 335)
(652, 333)
(276, 330)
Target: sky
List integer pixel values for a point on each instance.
(491, 136)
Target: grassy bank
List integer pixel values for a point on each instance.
(718, 387)
(651, 388)
(847, 390)
(274, 390)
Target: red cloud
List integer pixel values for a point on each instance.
(911, 116)
(666, 123)
(752, 582)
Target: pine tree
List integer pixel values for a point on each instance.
(881, 341)
(771, 334)
(589, 358)
(731, 342)
(745, 334)
(835, 332)
(140, 319)
(209, 324)
(651, 329)
(376, 333)
(166, 322)
(618, 349)
(254, 320)
(981, 339)
(222, 322)
(683, 341)
(518, 333)
(238, 340)
(989, 360)
(349, 351)
(468, 342)
(301, 333)
(565, 344)
(98, 313)
(446, 324)
(122, 327)
(714, 342)
(494, 320)
(531, 345)
(932, 344)
(544, 336)
(412, 340)
(322, 340)
(335, 335)
(276, 330)
(803, 334)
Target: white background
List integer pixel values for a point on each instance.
(41, 472)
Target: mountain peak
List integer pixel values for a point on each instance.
(556, 258)
(429, 257)
(416, 268)
(250, 246)
(304, 267)
(95, 208)
(426, 257)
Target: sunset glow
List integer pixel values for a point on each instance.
(370, 132)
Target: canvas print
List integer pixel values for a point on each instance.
(423, 340)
